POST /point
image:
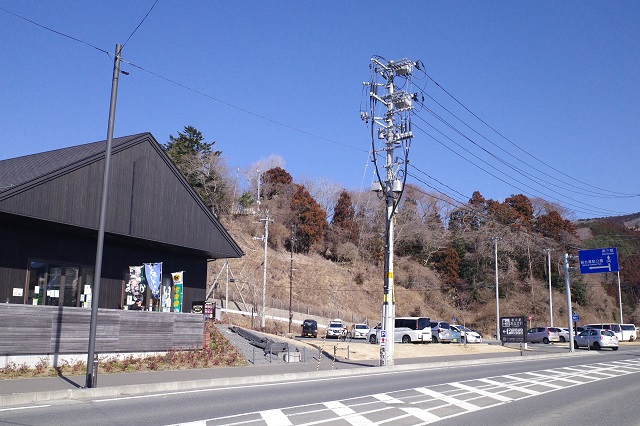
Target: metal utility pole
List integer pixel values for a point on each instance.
(495, 257)
(550, 298)
(264, 238)
(394, 128)
(569, 307)
(95, 291)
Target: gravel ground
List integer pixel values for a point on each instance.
(256, 356)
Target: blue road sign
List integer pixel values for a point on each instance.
(598, 261)
(574, 317)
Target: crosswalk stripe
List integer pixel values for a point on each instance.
(387, 398)
(448, 399)
(482, 392)
(423, 415)
(512, 387)
(275, 418)
(532, 381)
(347, 414)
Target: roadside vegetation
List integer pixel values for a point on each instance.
(219, 353)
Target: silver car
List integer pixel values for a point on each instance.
(467, 334)
(441, 332)
(595, 338)
(543, 334)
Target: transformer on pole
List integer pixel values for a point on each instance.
(391, 125)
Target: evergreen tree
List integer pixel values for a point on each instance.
(202, 167)
(310, 219)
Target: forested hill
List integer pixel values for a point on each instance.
(326, 247)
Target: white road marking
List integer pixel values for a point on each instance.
(347, 414)
(275, 418)
(512, 387)
(386, 398)
(482, 392)
(24, 408)
(448, 399)
(423, 415)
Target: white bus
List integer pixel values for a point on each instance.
(407, 330)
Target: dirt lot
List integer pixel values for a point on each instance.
(361, 351)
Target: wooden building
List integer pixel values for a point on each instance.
(49, 218)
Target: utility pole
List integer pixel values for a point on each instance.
(619, 296)
(291, 278)
(95, 291)
(264, 238)
(569, 307)
(495, 256)
(394, 128)
(550, 298)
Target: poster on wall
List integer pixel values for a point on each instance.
(153, 275)
(135, 285)
(177, 290)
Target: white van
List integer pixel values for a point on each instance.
(407, 330)
(629, 332)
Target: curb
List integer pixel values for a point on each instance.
(133, 390)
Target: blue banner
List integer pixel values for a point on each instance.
(153, 274)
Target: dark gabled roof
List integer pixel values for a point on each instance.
(149, 199)
(17, 171)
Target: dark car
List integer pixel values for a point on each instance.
(309, 328)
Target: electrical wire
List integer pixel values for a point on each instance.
(143, 19)
(518, 147)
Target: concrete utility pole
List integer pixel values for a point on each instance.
(291, 278)
(264, 238)
(568, 291)
(619, 297)
(550, 298)
(394, 127)
(95, 291)
(495, 256)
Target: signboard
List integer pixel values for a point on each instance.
(598, 261)
(574, 317)
(513, 329)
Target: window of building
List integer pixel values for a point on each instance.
(59, 284)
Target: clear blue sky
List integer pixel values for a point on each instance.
(560, 80)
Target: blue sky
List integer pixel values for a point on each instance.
(559, 81)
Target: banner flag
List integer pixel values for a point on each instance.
(135, 286)
(153, 274)
(177, 290)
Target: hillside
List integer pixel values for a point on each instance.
(353, 290)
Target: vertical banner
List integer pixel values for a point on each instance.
(177, 291)
(153, 275)
(135, 285)
(166, 301)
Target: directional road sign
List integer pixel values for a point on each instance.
(598, 260)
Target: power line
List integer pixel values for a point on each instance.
(143, 19)
(518, 147)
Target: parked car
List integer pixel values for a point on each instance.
(607, 326)
(309, 328)
(543, 334)
(629, 332)
(564, 334)
(374, 334)
(359, 331)
(336, 329)
(467, 334)
(596, 338)
(441, 332)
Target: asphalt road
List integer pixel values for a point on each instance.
(570, 389)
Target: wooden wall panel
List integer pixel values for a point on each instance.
(44, 330)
